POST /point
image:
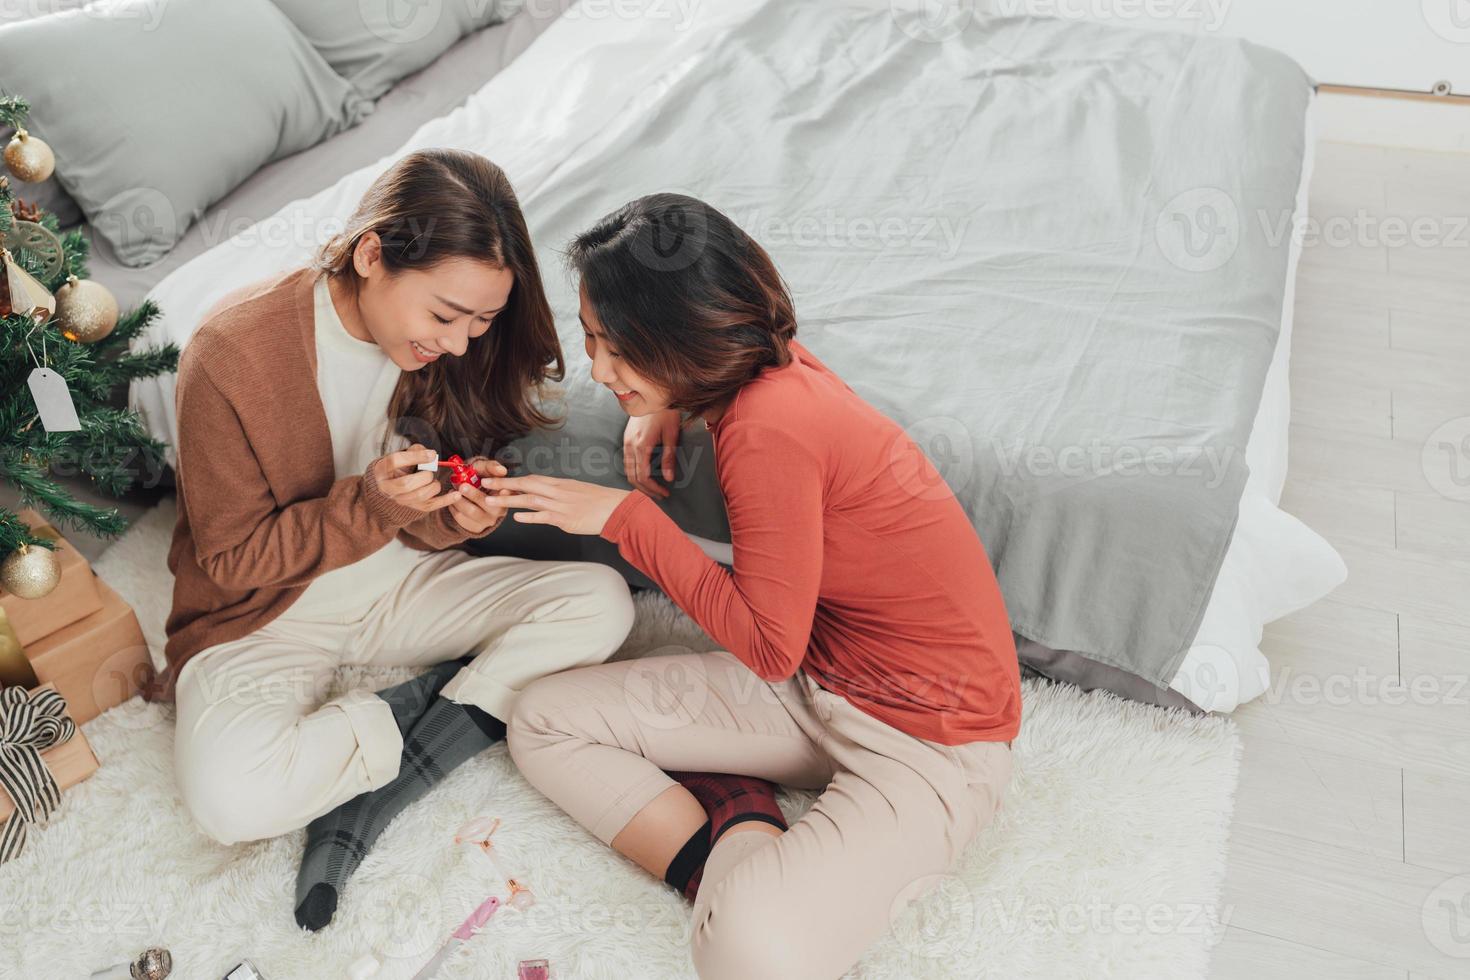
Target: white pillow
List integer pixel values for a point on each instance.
(1275, 566)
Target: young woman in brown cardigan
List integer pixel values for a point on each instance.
(308, 538)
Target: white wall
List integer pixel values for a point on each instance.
(1401, 44)
(1385, 44)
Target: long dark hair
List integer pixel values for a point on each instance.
(689, 300)
(439, 204)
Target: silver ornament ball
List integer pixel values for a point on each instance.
(155, 964)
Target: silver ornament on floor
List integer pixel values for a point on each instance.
(30, 572)
(29, 157)
(154, 964)
(85, 310)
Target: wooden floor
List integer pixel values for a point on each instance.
(1350, 848)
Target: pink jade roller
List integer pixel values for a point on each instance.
(479, 832)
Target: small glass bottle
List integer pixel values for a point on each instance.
(533, 970)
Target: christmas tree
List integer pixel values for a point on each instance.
(82, 339)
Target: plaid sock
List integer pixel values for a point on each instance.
(409, 699)
(446, 735)
(727, 800)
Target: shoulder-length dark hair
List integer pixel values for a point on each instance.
(440, 204)
(689, 300)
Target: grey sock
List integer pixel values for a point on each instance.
(444, 736)
(409, 699)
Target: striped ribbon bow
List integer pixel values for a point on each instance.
(30, 723)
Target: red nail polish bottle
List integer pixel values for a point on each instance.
(461, 472)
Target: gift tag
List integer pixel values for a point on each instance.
(53, 401)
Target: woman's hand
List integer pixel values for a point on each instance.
(573, 506)
(476, 511)
(409, 487)
(639, 439)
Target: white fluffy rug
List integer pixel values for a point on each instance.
(1106, 859)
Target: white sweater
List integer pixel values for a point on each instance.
(356, 381)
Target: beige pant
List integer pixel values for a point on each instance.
(895, 813)
(257, 753)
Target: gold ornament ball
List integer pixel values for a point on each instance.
(85, 310)
(29, 157)
(30, 572)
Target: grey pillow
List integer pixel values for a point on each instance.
(374, 43)
(157, 111)
(48, 193)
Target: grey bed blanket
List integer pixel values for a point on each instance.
(1054, 251)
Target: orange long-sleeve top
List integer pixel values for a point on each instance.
(853, 561)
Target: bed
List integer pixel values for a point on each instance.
(1005, 288)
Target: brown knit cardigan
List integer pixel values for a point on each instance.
(260, 511)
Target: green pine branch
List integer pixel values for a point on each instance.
(77, 249)
(14, 533)
(14, 110)
(129, 325)
(43, 493)
(147, 363)
(111, 449)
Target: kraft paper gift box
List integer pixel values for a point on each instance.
(96, 662)
(76, 596)
(69, 763)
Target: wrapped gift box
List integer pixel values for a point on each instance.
(69, 763)
(96, 662)
(75, 597)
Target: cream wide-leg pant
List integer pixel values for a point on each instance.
(895, 813)
(257, 754)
